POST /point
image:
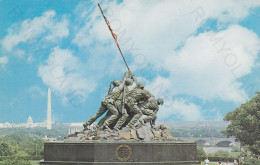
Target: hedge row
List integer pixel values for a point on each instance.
(21, 157)
(251, 161)
(216, 158)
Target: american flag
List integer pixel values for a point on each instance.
(111, 30)
(114, 36)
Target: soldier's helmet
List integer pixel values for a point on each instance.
(116, 83)
(128, 82)
(140, 85)
(160, 101)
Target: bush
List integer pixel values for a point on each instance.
(21, 153)
(15, 162)
(216, 158)
(222, 153)
(2, 158)
(235, 149)
(251, 161)
(200, 151)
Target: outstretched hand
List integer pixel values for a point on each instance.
(129, 74)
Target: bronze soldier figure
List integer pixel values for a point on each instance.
(150, 108)
(108, 104)
(132, 99)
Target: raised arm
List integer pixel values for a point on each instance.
(126, 75)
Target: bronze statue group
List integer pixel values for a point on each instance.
(124, 106)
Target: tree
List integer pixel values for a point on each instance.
(21, 144)
(200, 151)
(251, 161)
(245, 124)
(5, 149)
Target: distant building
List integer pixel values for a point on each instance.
(30, 124)
(75, 127)
(50, 139)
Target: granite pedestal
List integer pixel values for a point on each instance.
(126, 153)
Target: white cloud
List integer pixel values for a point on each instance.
(65, 74)
(208, 65)
(29, 29)
(162, 25)
(59, 30)
(160, 87)
(94, 28)
(3, 60)
(181, 109)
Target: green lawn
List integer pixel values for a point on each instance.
(35, 162)
(202, 163)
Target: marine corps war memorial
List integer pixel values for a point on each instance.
(127, 134)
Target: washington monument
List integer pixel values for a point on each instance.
(48, 122)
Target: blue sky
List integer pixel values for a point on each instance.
(202, 58)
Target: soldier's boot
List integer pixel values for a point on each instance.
(116, 129)
(142, 122)
(106, 128)
(126, 128)
(86, 126)
(99, 125)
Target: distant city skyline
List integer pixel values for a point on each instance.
(30, 124)
(202, 58)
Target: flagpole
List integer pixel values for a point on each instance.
(114, 36)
